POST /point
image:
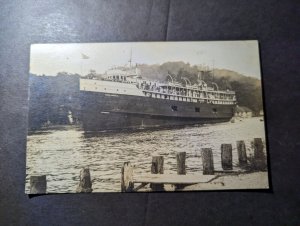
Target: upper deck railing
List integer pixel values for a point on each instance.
(176, 91)
(193, 93)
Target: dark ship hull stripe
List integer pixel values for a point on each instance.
(105, 112)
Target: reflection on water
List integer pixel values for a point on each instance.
(61, 153)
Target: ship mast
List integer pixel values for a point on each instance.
(213, 71)
(130, 58)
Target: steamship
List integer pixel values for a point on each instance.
(122, 99)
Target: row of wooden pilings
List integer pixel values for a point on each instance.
(257, 162)
(38, 184)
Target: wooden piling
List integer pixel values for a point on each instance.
(207, 161)
(241, 150)
(226, 156)
(157, 167)
(258, 148)
(259, 156)
(85, 183)
(127, 178)
(180, 156)
(38, 184)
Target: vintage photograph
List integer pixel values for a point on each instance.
(144, 117)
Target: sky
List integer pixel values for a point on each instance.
(49, 59)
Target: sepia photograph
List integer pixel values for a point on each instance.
(145, 117)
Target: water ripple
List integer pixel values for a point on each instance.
(60, 154)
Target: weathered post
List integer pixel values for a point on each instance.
(226, 156)
(241, 150)
(127, 178)
(85, 183)
(259, 156)
(207, 161)
(157, 167)
(180, 156)
(38, 184)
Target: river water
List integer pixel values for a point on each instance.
(62, 153)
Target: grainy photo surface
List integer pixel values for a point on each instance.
(145, 116)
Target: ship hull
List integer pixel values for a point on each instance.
(101, 111)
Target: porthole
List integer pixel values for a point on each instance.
(174, 108)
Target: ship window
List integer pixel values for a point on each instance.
(197, 109)
(214, 110)
(174, 108)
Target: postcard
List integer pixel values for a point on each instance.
(145, 117)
